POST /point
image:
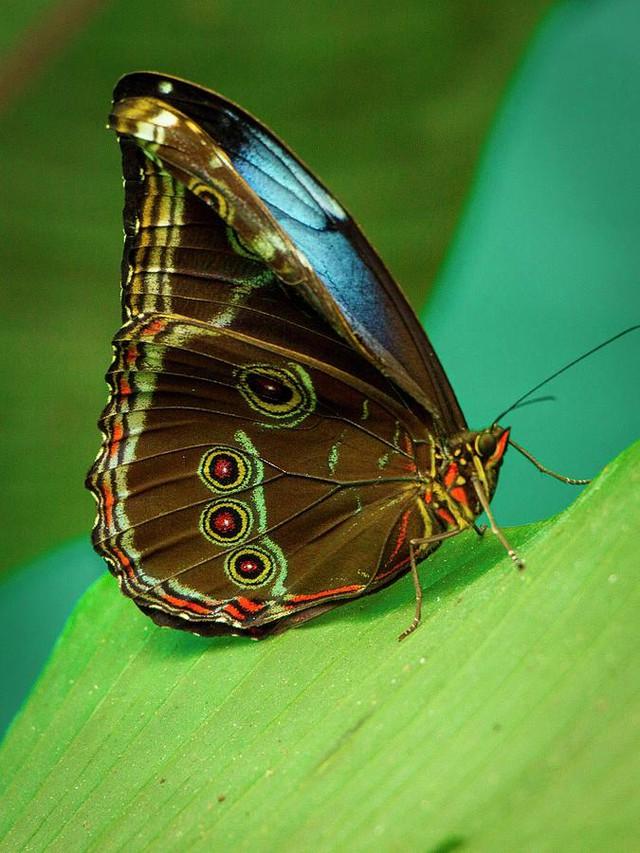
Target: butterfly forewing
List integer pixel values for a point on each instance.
(350, 285)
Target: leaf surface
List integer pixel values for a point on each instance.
(503, 723)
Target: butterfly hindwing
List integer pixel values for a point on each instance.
(230, 470)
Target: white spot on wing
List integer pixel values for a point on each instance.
(165, 119)
(165, 87)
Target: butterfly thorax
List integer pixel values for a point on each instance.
(450, 497)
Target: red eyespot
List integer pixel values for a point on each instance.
(226, 521)
(224, 469)
(250, 566)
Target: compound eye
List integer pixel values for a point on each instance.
(486, 444)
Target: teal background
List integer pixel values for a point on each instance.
(544, 264)
(546, 260)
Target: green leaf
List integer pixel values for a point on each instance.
(503, 723)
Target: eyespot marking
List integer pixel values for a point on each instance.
(224, 469)
(225, 522)
(250, 567)
(284, 394)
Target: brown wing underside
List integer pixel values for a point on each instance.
(329, 497)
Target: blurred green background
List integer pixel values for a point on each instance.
(391, 106)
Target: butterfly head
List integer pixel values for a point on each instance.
(473, 456)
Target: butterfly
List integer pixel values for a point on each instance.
(280, 436)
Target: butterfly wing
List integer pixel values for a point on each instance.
(321, 250)
(255, 468)
(241, 483)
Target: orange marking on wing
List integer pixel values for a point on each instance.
(428, 496)
(107, 503)
(124, 387)
(445, 515)
(118, 432)
(131, 355)
(233, 611)
(408, 446)
(450, 476)
(251, 606)
(183, 604)
(125, 562)
(411, 467)
(459, 494)
(154, 327)
(405, 562)
(296, 599)
(402, 534)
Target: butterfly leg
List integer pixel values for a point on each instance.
(414, 544)
(494, 527)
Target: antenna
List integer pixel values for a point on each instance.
(548, 398)
(566, 367)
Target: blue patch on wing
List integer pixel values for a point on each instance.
(312, 219)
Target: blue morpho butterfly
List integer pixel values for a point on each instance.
(280, 436)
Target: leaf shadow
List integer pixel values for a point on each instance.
(453, 568)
